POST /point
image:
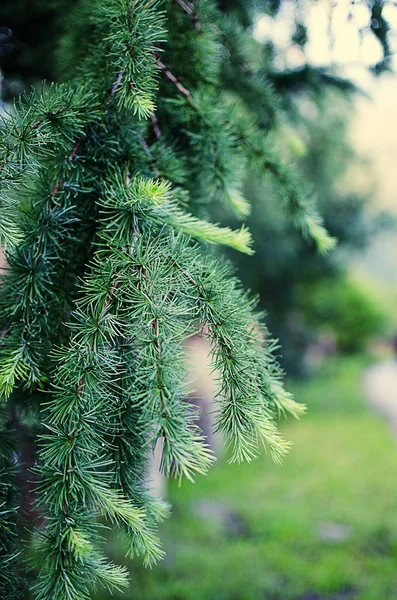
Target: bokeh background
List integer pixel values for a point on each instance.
(323, 526)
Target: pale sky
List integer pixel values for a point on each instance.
(337, 34)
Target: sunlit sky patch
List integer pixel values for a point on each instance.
(338, 35)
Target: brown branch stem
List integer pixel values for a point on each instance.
(156, 127)
(181, 88)
(188, 7)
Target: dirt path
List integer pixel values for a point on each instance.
(380, 388)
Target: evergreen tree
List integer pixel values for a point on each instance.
(107, 176)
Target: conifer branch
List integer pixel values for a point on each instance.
(302, 209)
(208, 232)
(108, 274)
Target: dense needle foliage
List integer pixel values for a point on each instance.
(106, 177)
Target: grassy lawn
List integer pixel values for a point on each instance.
(323, 526)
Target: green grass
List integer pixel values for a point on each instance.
(259, 531)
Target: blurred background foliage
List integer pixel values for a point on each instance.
(284, 266)
(348, 310)
(323, 526)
